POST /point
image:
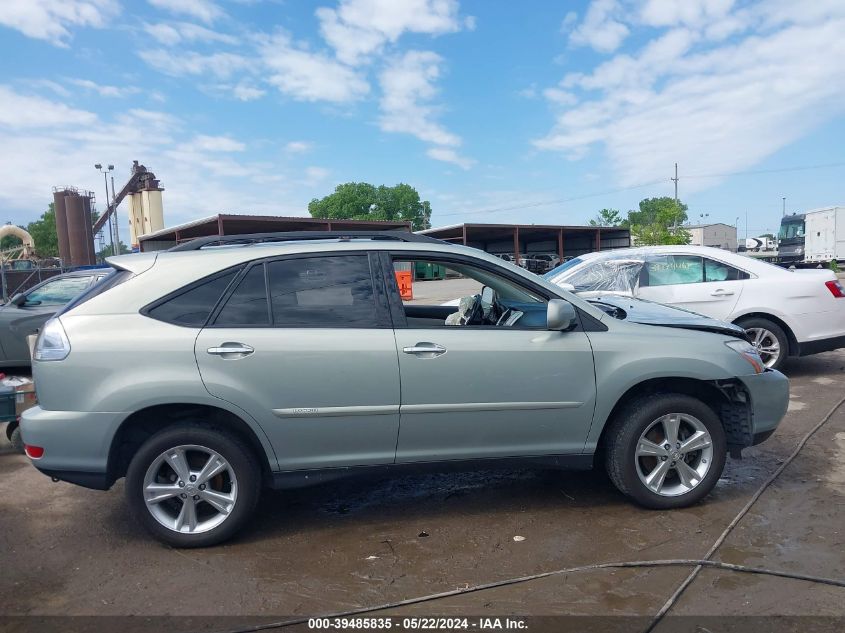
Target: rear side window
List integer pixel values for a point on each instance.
(248, 303)
(322, 292)
(717, 271)
(193, 306)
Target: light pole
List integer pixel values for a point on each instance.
(105, 173)
(784, 206)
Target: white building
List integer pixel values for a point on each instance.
(718, 235)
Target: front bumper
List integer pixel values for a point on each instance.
(76, 443)
(769, 394)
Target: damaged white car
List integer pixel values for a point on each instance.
(785, 312)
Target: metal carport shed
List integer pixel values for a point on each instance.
(527, 239)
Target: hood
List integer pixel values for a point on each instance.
(650, 313)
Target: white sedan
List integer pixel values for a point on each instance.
(785, 312)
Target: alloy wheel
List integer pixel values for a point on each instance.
(674, 454)
(766, 344)
(190, 489)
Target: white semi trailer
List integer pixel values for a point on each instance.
(814, 237)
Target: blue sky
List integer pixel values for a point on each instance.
(495, 111)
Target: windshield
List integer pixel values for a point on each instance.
(792, 229)
(554, 272)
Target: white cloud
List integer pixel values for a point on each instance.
(247, 92)
(203, 10)
(298, 147)
(177, 64)
(712, 106)
(357, 29)
(691, 13)
(449, 155)
(601, 28)
(408, 87)
(171, 34)
(23, 111)
(104, 90)
(47, 143)
(308, 76)
(315, 175)
(205, 143)
(51, 20)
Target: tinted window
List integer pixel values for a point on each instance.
(717, 271)
(666, 270)
(193, 306)
(248, 304)
(58, 291)
(322, 291)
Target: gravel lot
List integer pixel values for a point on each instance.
(68, 550)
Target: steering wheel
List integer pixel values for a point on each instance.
(473, 312)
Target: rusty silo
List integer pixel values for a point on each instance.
(80, 237)
(61, 224)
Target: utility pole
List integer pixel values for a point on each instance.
(675, 180)
(105, 172)
(116, 240)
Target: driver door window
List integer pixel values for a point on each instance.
(443, 294)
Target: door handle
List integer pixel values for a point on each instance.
(721, 293)
(235, 349)
(425, 350)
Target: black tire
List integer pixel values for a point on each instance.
(623, 436)
(16, 440)
(776, 330)
(240, 457)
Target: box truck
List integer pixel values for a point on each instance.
(814, 237)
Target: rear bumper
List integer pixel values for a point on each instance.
(76, 444)
(769, 394)
(822, 345)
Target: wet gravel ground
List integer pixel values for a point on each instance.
(66, 550)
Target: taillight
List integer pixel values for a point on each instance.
(835, 288)
(33, 452)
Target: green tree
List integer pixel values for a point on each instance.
(607, 217)
(123, 249)
(363, 201)
(43, 232)
(9, 241)
(658, 221)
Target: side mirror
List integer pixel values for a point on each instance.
(560, 315)
(18, 300)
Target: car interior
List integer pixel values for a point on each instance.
(495, 301)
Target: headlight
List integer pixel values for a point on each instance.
(749, 353)
(52, 343)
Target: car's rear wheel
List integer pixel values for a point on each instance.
(192, 486)
(666, 450)
(16, 440)
(769, 339)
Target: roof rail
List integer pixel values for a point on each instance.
(295, 236)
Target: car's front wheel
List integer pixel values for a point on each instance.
(769, 339)
(192, 486)
(666, 450)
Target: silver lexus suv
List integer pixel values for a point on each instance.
(230, 364)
